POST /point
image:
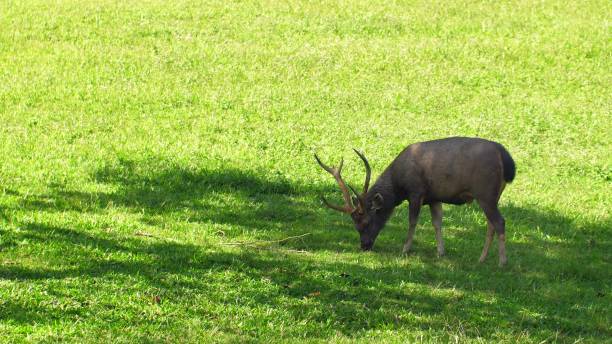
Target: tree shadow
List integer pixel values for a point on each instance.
(345, 293)
(548, 251)
(354, 297)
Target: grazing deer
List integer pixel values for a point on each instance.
(454, 170)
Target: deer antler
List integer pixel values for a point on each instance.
(366, 185)
(348, 207)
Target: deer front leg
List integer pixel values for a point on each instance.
(414, 209)
(436, 220)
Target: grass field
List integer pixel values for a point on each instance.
(154, 155)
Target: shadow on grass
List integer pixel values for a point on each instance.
(555, 269)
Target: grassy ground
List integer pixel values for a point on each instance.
(140, 140)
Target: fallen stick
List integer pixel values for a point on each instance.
(263, 242)
(145, 234)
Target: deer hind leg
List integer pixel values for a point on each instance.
(488, 240)
(495, 218)
(436, 220)
(413, 216)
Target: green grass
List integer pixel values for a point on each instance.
(139, 140)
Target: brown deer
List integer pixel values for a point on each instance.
(454, 170)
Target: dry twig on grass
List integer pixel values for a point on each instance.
(144, 234)
(263, 242)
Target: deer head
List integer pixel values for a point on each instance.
(362, 208)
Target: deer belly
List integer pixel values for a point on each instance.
(459, 199)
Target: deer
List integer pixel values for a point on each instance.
(454, 170)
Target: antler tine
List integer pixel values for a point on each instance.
(348, 208)
(336, 207)
(350, 187)
(358, 196)
(325, 167)
(366, 185)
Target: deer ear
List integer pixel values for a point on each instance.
(377, 202)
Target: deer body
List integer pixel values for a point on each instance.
(454, 170)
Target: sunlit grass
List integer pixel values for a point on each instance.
(154, 154)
